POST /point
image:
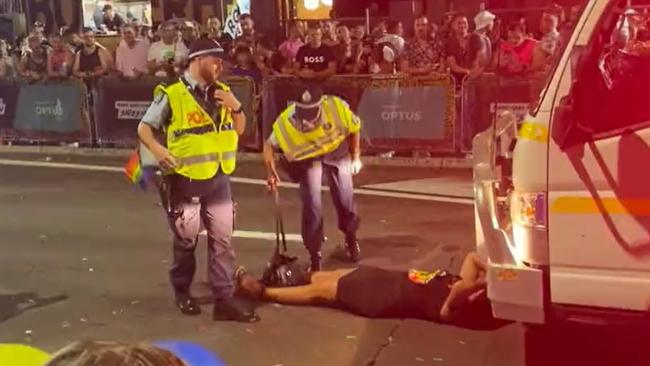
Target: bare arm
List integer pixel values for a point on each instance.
(239, 119)
(454, 67)
(331, 70)
(105, 60)
(355, 145)
(75, 68)
(148, 138)
(50, 69)
(22, 66)
(269, 159)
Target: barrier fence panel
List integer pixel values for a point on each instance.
(120, 105)
(244, 89)
(400, 114)
(51, 112)
(9, 90)
(490, 95)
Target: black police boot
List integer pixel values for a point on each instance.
(234, 309)
(187, 305)
(316, 260)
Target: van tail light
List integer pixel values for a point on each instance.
(529, 210)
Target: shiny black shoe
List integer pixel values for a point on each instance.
(234, 310)
(188, 305)
(354, 251)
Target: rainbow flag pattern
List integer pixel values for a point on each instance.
(136, 173)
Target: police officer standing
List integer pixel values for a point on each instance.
(201, 121)
(319, 135)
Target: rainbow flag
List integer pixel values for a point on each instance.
(135, 172)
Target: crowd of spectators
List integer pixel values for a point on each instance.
(310, 51)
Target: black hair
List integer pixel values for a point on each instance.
(107, 7)
(458, 16)
(87, 30)
(245, 16)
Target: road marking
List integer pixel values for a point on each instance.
(242, 180)
(246, 234)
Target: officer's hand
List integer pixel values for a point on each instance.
(355, 166)
(165, 159)
(272, 182)
(227, 99)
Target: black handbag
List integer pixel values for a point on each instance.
(283, 270)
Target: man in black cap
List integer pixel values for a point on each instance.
(319, 134)
(202, 121)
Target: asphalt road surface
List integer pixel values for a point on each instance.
(85, 255)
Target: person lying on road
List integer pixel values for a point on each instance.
(378, 293)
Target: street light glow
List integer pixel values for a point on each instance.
(311, 4)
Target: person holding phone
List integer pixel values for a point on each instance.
(201, 121)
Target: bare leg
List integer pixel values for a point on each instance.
(473, 268)
(472, 281)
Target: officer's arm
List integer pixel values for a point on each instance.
(269, 158)
(239, 120)
(355, 145)
(154, 118)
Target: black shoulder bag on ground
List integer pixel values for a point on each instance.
(283, 270)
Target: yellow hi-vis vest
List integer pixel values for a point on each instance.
(194, 139)
(337, 123)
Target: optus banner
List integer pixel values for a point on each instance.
(49, 108)
(404, 113)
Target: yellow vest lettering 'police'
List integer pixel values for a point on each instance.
(200, 145)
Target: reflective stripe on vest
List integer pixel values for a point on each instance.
(200, 159)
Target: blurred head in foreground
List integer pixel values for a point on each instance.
(89, 353)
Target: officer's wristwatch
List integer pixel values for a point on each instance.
(239, 110)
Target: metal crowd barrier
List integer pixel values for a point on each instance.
(399, 113)
(489, 95)
(56, 112)
(402, 114)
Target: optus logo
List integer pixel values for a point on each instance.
(54, 109)
(395, 113)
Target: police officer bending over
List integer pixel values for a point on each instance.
(201, 120)
(319, 134)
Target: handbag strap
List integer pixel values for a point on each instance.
(280, 237)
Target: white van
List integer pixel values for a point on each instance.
(563, 218)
